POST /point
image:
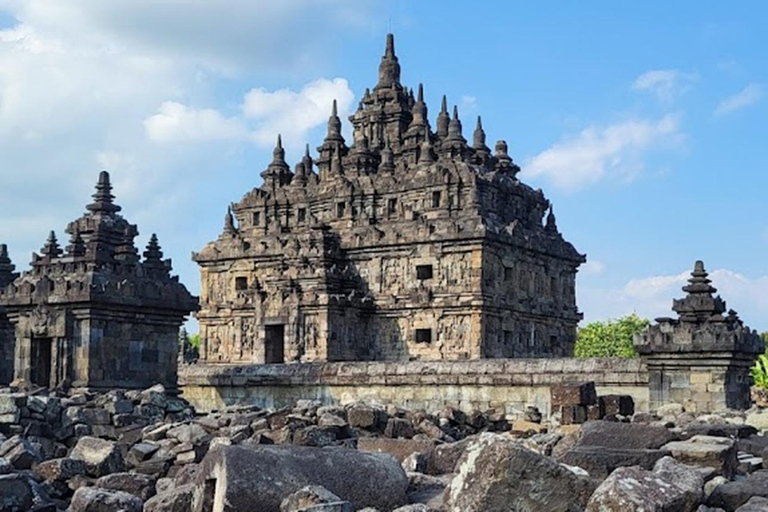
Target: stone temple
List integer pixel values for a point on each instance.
(410, 244)
(93, 315)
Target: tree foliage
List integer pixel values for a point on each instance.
(760, 370)
(612, 338)
(194, 340)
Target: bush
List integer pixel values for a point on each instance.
(609, 339)
(760, 370)
(194, 341)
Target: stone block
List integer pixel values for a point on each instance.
(576, 394)
(715, 452)
(573, 414)
(613, 405)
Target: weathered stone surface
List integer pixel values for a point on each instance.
(259, 477)
(141, 486)
(315, 498)
(600, 462)
(629, 436)
(684, 477)
(755, 504)
(92, 499)
(100, 456)
(732, 495)
(61, 469)
(715, 452)
(15, 493)
(758, 419)
(635, 489)
(497, 474)
(398, 448)
(19, 452)
(178, 499)
(573, 394)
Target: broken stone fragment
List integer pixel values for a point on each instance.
(92, 499)
(141, 486)
(715, 452)
(315, 498)
(61, 469)
(496, 473)
(19, 452)
(633, 488)
(178, 499)
(100, 456)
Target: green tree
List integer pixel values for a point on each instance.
(194, 341)
(612, 338)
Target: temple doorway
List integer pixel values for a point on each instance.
(40, 363)
(274, 343)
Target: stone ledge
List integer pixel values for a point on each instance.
(485, 372)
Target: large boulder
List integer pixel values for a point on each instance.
(92, 499)
(19, 452)
(634, 489)
(715, 452)
(600, 462)
(398, 448)
(616, 435)
(732, 495)
(61, 469)
(685, 477)
(498, 474)
(102, 457)
(141, 486)
(259, 477)
(755, 504)
(15, 493)
(177, 499)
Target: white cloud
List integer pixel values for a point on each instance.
(78, 80)
(176, 122)
(652, 296)
(293, 114)
(592, 267)
(747, 97)
(666, 84)
(599, 152)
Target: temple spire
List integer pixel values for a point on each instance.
(76, 245)
(389, 69)
(426, 155)
(102, 199)
(478, 138)
(387, 159)
(551, 226)
(153, 253)
(229, 222)
(454, 127)
(443, 119)
(334, 126)
(699, 305)
(307, 160)
(51, 247)
(6, 267)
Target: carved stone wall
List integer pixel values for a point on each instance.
(410, 244)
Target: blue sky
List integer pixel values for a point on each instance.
(644, 124)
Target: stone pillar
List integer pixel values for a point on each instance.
(702, 358)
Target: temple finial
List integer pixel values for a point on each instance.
(478, 138)
(443, 119)
(420, 97)
(389, 69)
(102, 198)
(76, 245)
(551, 226)
(153, 253)
(455, 112)
(334, 109)
(390, 50)
(51, 247)
(229, 222)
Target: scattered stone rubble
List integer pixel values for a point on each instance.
(149, 451)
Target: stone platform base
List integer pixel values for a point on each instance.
(502, 384)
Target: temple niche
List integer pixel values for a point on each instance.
(93, 314)
(411, 244)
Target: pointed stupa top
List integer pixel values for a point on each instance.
(6, 266)
(334, 125)
(426, 155)
(102, 199)
(229, 222)
(76, 245)
(51, 247)
(278, 154)
(551, 226)
(420, 109)
(478, 137)
(454, 127)
(389, 69)
(443, 119)
(307, 160)
(153, 253)
(699, 305)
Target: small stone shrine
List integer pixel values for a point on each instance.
(702, 358)
(410, 244)
(93, 315)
